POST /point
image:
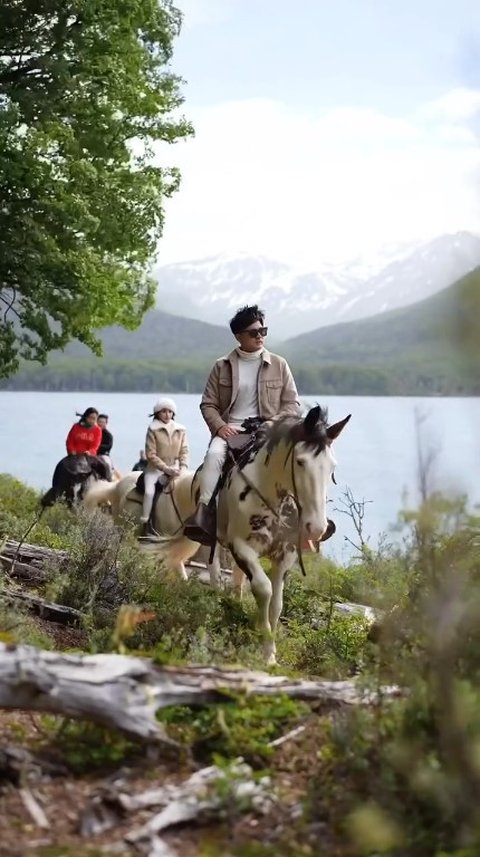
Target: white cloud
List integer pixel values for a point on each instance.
(458, 105)
(263, 178)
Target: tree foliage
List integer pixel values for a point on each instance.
(86, 100)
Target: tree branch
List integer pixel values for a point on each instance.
(126, 692)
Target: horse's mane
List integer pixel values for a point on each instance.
(289, 430)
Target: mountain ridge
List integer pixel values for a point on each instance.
(162, 336)
(444, 327)
(298, 300)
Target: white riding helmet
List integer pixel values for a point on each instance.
(166, 403)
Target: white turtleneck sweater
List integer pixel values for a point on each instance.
(246, 403)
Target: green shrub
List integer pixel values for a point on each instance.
(244, 727)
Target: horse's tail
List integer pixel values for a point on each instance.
(98, 493)
(172, 550)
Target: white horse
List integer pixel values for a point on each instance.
(175, 503)
(293, 462)
(290, 465)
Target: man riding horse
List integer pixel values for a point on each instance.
(248, 383)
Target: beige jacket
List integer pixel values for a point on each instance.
(164, 447)
(277, 393)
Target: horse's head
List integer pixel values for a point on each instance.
(312, 469)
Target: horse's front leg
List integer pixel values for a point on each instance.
(282, 561)
(238, 580)
(248, 561)
(215, 571)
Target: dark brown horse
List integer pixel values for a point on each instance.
(71, 478)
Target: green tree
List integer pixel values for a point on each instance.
(86, 102)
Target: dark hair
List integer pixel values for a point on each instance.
(103, 416)
(245, 316)
(87, 413)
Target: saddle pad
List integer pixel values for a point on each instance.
(238, 442)
(76, 465)
(140, 486)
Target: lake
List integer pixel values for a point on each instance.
(376, 454)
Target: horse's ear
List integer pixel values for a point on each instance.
(311, 420)
(334, 431)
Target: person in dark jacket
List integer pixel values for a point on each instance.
(106, 444)
(142, 462)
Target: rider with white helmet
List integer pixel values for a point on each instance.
(166, 449)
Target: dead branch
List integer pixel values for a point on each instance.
(125, 693)
(41, 607)
(26, 572)
(211, 789)
(355, 510)
(294, 733)
(27, 553)
(200, 794)
(34, 809)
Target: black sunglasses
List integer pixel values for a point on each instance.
(256, 331)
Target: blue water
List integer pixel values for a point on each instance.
(376, 454)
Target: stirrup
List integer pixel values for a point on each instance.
(196, 534)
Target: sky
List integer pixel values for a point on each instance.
(326, 131)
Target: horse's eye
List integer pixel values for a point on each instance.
(300, 462)
(333, 479)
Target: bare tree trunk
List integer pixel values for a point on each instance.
(126, 692)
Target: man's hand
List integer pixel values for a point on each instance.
(227, 431)
(171, 471)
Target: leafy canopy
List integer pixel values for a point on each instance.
(85, 94)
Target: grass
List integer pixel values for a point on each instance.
(398, 778)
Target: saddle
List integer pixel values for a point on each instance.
(140, 486)
(241, 445)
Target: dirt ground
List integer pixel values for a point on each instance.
(64, 795)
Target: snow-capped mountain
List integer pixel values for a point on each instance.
(298, 301)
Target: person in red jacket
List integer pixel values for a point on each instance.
(85, 436)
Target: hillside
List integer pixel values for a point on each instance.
(443, 329)
(430, 348)
(161, 336)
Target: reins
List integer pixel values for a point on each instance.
(22, 538)
(274, 512)
(170, 494)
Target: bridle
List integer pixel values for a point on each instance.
(293, 494)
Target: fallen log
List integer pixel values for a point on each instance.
(125, 692)
(26, 572)
(25, 552)
(42, 607)
(29, 563)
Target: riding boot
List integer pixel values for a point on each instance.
(148, 529)
(202, 525)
